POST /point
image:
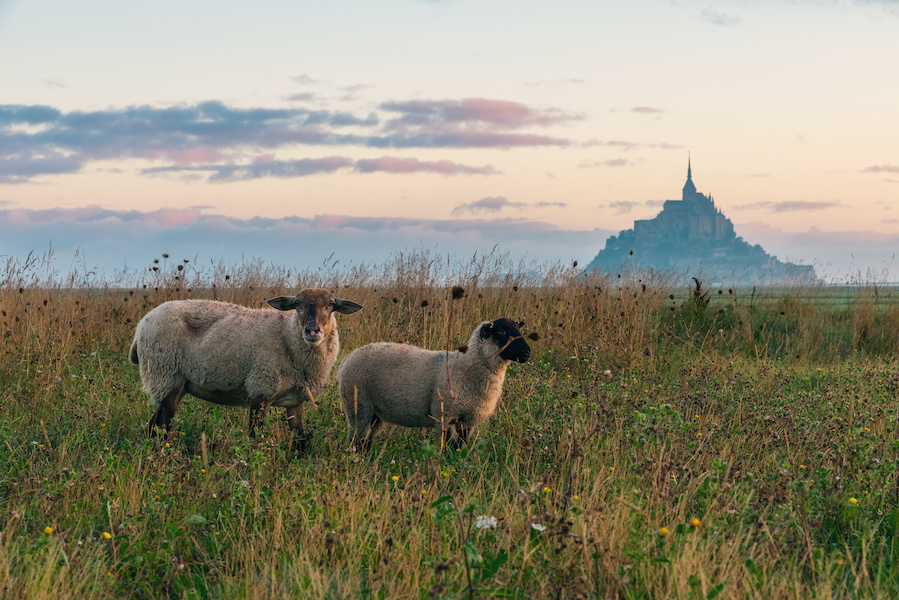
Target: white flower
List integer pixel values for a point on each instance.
(538, 527)
(244, 483)
(485, 522)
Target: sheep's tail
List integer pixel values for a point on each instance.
(133, 353)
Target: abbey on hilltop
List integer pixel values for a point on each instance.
(691, 238)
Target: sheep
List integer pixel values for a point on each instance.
(232, 355)
(409, 386)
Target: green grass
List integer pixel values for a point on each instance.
(771, 420)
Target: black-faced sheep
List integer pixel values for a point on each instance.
(405, 385)
(233, 355)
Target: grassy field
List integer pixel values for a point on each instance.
(661, 443)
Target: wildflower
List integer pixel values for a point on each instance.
(663, 532)
(611, 469)
(576, 497)
(546, 489)
(202, 470)
(167, 445)
(853, 501)
(244, 483)
(538, 527)
(48, 530)
(694, 522)
(395, 478)
(107, 535)
(485, 522)
(802, 466)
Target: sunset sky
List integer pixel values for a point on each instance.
(295, 131)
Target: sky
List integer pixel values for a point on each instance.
(299, 132)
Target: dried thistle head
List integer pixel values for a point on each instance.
(533, 336)
(458, 292)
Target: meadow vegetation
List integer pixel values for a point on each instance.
(663, 442)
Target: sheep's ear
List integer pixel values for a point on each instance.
(283, 302)
(345, 307)
(486, 331)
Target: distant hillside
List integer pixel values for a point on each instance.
(691, 237)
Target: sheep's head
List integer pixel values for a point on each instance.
(508, 339)
(315, 310)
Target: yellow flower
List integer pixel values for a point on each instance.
(663, 532)
(694, 522)
(48, 530)
(167, 445)
(202, 470)
(853, 501)
(546, 489)
(576, 497)
(395, 478)
(107, 535)
(801, 466)
(611, 469)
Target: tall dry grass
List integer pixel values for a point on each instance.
(763, 413)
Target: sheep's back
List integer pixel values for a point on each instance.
(211, 343)
(396, 380)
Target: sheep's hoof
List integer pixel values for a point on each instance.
(300, 443)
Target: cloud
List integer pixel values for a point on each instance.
(882, 169)
(502, 114)
(491, 204)
(647, 110)
(791, 206)
(301, 97)
(304, 79)
(718, 18)
(627, 146)
(495, 204)
(265, 165)
(40, 140)
(614, 162)
(393, 164)
(20, 168)
(623, 206)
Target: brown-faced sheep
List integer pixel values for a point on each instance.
(405, 385)
(233, 355)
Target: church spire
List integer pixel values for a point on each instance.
(689, 187)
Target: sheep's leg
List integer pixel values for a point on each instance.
(257, 406)
(295, 422)
(374, 427)
(165, 411)
(461, 436)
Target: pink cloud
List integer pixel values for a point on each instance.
(193, 156)
(173, 217)
(882, 169)
(496, 113)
